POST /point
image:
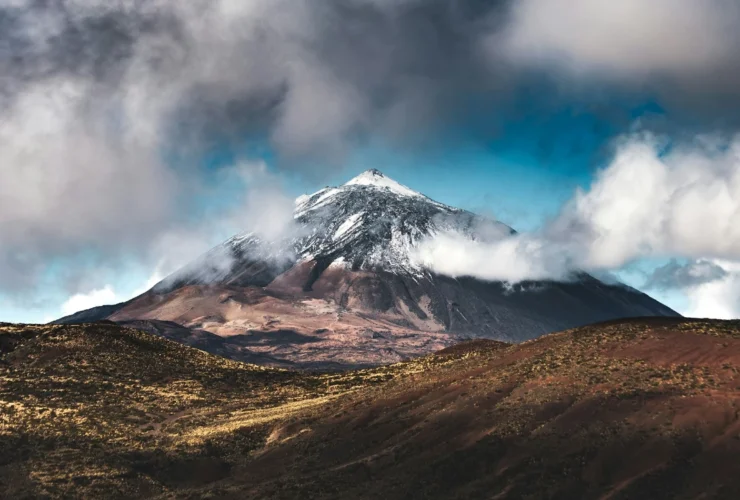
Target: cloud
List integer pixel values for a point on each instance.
(309, 76)
(80, 301)
(68, 182)
(510, 258)
(626, 39)
(658, 199)
(685, 53)
(105, 295)
(264, 196)
(711, 287)
(630, 38)
(653, 199)
(262, 213)
(107, 108)
(690, 274)
(718, 298)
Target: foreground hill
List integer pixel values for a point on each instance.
(348, 287)
(632, 409)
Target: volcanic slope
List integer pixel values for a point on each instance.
(645, 408)
(347, 290)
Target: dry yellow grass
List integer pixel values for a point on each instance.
(100, 411)
(77, 401)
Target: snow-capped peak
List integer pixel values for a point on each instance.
(371, 222)
(375, 178)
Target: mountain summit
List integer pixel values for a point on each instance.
(345, 287)
(376, 179)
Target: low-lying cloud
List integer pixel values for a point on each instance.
(654, 199)
(263, 212)
(511, 259)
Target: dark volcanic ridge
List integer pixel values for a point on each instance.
(645, 408)
(347, 290)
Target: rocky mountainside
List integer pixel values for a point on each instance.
(625, 410)
(349, 271)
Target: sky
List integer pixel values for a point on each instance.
(135, 135)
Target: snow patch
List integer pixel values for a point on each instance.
(306, 204)
(376, 179)
(347, 225)
(339, 263)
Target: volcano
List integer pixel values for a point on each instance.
(346, 289)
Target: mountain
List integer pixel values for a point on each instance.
(370, 224)
(345, 287)
(643, 408)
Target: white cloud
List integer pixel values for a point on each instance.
(262, 207)
(81, 301)
(70, 181)
(718, 298)
(650, 201)
(266, 209)
(509, 258)
(105, 295)
(684, 275)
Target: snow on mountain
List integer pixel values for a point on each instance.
(375, 178)
(347, 225)
(374, 223)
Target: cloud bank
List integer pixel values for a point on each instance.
(654, 199)
(711, 287)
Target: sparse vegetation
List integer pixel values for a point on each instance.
(622, 408)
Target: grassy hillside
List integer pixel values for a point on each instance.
(637, 409)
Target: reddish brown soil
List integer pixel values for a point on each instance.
(626, 410)
(281, 327)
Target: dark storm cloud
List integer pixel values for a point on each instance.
(94, 94)
(309, 75)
